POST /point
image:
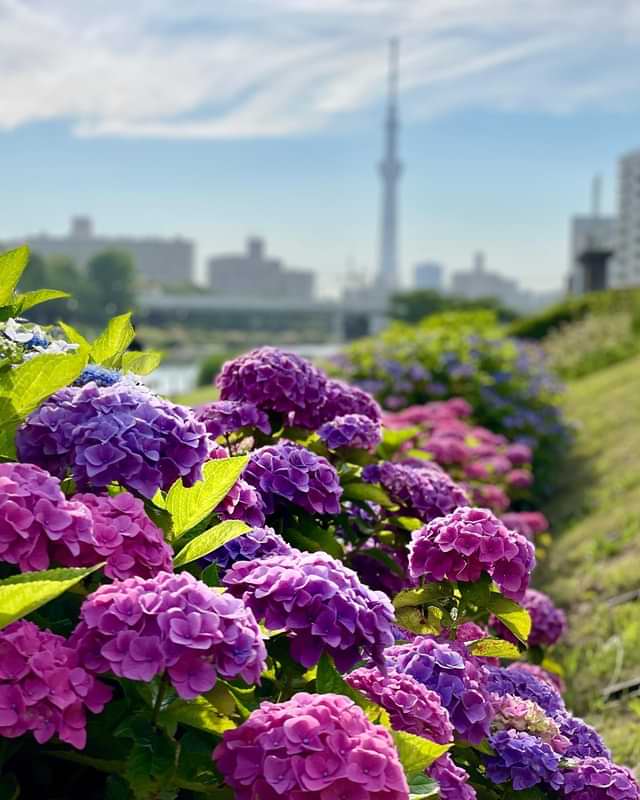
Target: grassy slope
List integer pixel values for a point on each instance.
(596, 553)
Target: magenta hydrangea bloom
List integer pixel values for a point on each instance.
(351, 430)
(320, 603)
(519, 681)
(251, 546)
(122, 433)
(548, 623)
(411, 706)
(123, 535)
(452, 780)
(230, 416)
(519, 454)
(312, 747)
(467, 543)
(543, 675)
(342, 399)
(43, 688)
(489, 495)
(274, 380)
(528, 523)
(519, 478)
(38, 524)
(243, 502)
(291, 472)
(138, 628)
(599, 779)
(425, 492)
(457, 680)
(524, 760)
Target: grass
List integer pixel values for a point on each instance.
(595, 557)
(197, 397)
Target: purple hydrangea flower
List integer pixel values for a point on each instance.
(99, 375)
(458, 681)
(528, 523)
(139, 628)
(351, 430)
(425, 492)
(599, 779)
(290, 471)
(489, 495)
(243, 502)
(453, 781)
(467, 543)
(275, 381)
(522, 683)
(524, 760)
(38, 524)
(121, 433)
(411, 706)
(550, 678)
(312, 747)
(319, 602)
(43, 688)
(124, 535)
(548, 623)
(584, 740)
(519, 454)
(251, 546)
(375, 572)
(342, 399)
(519, 478)
(230, 416)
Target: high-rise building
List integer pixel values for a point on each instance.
(156, 259)
(251, 274)
(390, 170)
(428, 275)
(626, 268)
(591, 247)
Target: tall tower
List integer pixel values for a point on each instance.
(390, 170)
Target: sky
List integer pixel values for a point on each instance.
(227, 118)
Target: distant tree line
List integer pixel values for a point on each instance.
(415, 305)
(105, 287)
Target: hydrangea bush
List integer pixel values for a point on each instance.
(286, 594)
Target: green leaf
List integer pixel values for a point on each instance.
(190, 506)
(36, 379)
(141, 363)
(318, 540)
(513, 616)
(12, 265)
(9, 787)
(210, 540)
(409, 523)
(330, 681)
(419, 597)
(392, 440)
(23, 302)
(199, 713)
(490, 647)
(416, 753)
(367, 491)
(151, 766)
(74, 336)
(421, 787)
(413, 620)
(22, 594)
(110, 346)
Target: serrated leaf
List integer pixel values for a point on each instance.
(22, 594)
(371, 492)
(491, 647)
(330, 681)
(74, 336)
(141, 363)
(417, 753)
(419, 597)
(198, 713)
(190, 506)
(36, 379)
(23, 302)
(12, 265)
(112, 343)
(210, 540)
(513, 616)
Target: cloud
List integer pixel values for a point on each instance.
(251, 68)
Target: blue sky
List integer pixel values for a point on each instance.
(219, 120)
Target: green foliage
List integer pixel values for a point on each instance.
(141, 363)
(417, 753)
(211, 366)
(210, 540)
(494, 648)
(189, 506)
(513, 616)
(421, 787)
(110, 346)
(415, 305)
(21, 594)
(329, 681)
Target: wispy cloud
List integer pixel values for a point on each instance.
(246, 68)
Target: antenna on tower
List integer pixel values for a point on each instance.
(596, 195)
(393, 71)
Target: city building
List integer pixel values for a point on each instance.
(428, 275)
(157, 260)
(625, 270)
(479, 282)
(252, 275)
